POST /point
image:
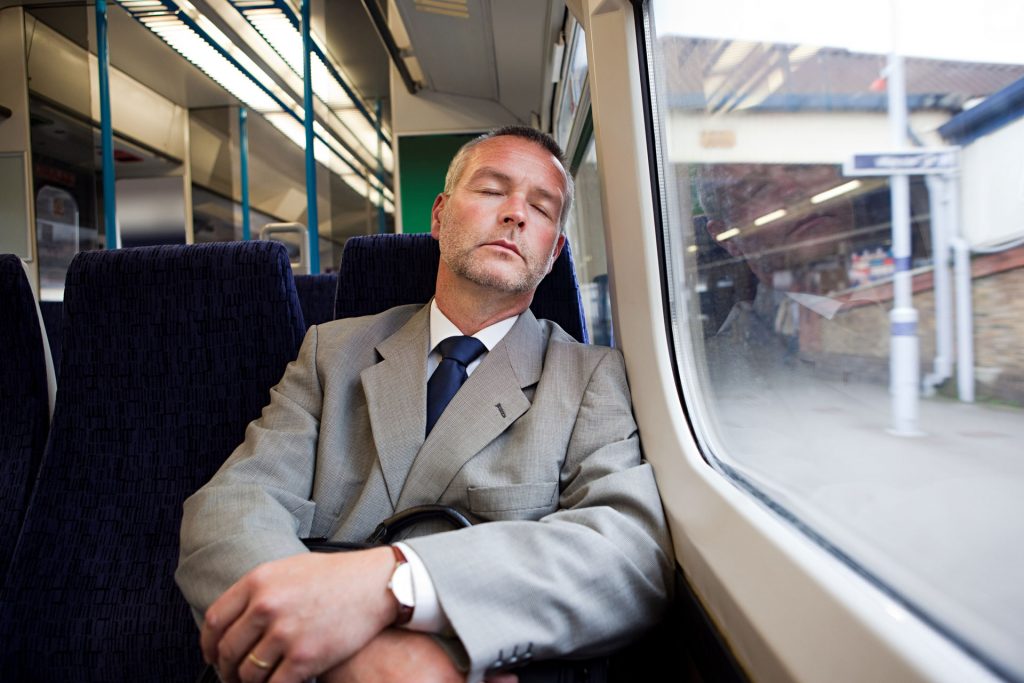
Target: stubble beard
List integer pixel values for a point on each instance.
(460, 257)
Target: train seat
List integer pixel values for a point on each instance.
(316, 295)
(53, 312)
(379, 272)
(169, 352)
(24, 400)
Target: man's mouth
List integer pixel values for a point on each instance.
(809, 226)
(505, 244)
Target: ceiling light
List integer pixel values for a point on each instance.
(769, 217)
(835, 192)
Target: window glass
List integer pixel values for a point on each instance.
(585, 230)
(585, 224)
(846, 262)
(218, 219)
(66, 180)
(574, 75)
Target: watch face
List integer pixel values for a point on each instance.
(401, 585)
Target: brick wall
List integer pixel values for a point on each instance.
(858, 346)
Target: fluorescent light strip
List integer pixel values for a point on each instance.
(728, 234)
(322, 134)
(273, 15)
(172, 26)
(769, 217)
(835, 192)
(324, 154)
(211, 62)
(281, 34)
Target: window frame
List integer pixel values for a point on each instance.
(783, 619)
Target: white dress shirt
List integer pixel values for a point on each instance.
(427, 615)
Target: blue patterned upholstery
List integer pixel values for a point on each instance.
(379, 272)
(316, 294)
(53, 312)
(24, 404)
(168, 353)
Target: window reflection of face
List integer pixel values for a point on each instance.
(805, 233)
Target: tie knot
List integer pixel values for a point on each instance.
(463, 350)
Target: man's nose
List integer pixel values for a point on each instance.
(514, 212)
(787, 186)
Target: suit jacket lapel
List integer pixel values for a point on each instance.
(486, 405)
(396, 398)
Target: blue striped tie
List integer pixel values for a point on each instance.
(457, 353)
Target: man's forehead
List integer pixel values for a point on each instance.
(488, 161)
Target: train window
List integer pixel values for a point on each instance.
(845, 257)
(585, 226)
(216, 218)
(586, 235)
(571, 83)
(65, 176)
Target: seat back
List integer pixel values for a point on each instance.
(168, 353)
(379, 272)
(316, 294)
(53, 313)
(24, 403)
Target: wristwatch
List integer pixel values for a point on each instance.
(400, 586)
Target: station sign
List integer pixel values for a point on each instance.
(920, 161)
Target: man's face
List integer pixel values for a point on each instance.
(499, 226)
(792, 230)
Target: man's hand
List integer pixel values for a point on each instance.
(399, 656)
(292, 619)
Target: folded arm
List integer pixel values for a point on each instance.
(585, 578)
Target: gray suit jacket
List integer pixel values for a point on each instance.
(541, 431)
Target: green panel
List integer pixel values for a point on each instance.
(422, 163)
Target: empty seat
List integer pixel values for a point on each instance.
(24, 402)
(168, 353)
(379, 272)
(316, 295)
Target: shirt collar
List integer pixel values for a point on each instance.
(441, 328)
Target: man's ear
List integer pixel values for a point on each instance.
(559, 244)
(435, 215)
(716, 227)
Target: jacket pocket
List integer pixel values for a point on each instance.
(514, 501)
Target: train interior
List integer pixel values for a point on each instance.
(803, 233)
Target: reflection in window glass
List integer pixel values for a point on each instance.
(786, 254)
(585, 230)
(574, 74)
(65, 178)
(217, 219)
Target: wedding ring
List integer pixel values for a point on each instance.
(258, 662)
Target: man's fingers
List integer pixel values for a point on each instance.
(240, 640)
(219, 617)
(259, 663)
(293, 669)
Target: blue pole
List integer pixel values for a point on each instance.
(307, 103)
(243, 144)
(382, 224)
(106, 129)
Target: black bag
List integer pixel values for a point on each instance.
(555, 671)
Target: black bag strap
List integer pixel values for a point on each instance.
(387, 530)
